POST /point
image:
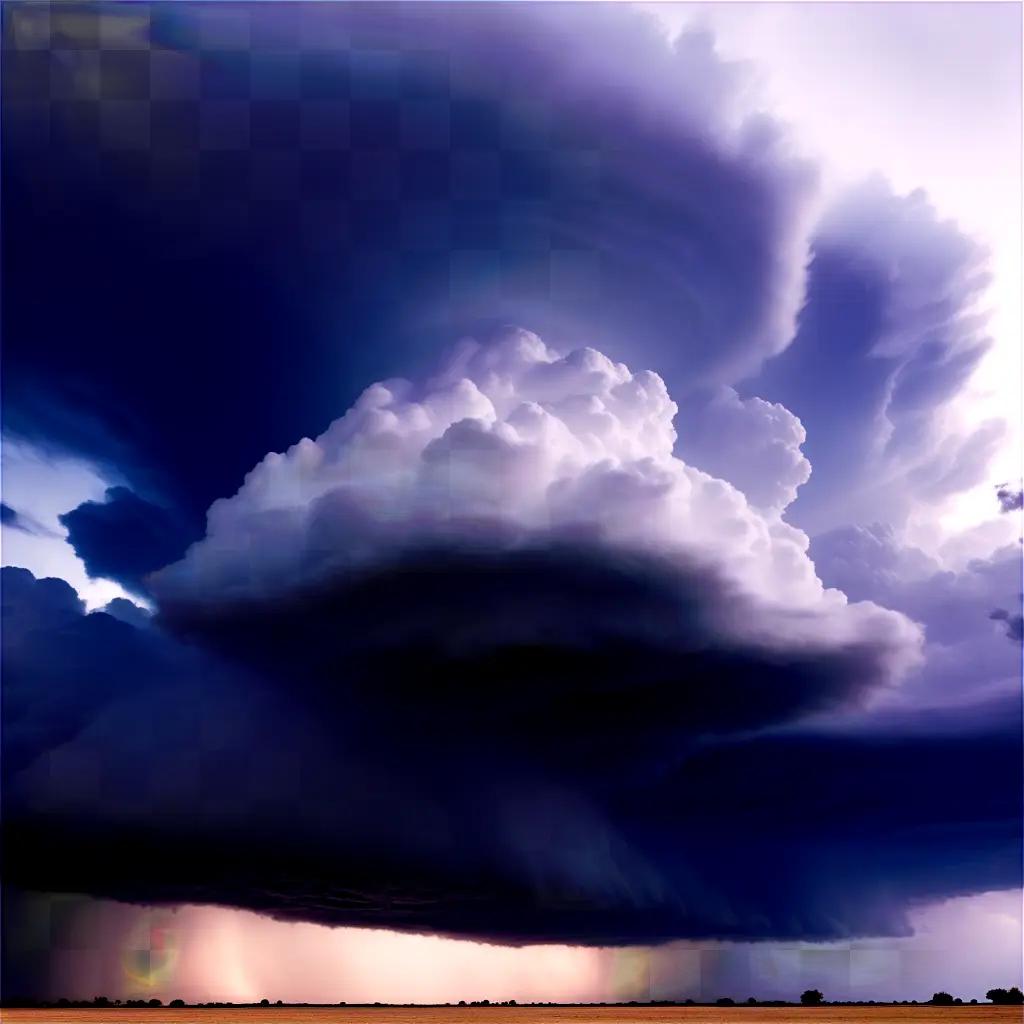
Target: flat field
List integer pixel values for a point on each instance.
(981, 1014)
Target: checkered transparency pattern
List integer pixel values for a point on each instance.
(277, 123)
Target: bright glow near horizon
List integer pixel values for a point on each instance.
(231, 955)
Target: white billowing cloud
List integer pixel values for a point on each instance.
(514, 443)
(754, 444)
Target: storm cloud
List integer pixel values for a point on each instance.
(459, 804)
(506, 662)
(511, 444)
(495, 653)
(353, 190)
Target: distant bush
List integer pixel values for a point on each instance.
(176, 1002)
(725, 1001)
(942, 999)
(812, 997)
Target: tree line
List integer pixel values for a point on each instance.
(811, 997)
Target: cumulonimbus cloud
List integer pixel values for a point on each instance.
(513, 445)
(499, 662)
(464, 628)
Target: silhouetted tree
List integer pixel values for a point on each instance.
(725, 1001)
(264, 1002)
(751, 1001)
(942, 999)
(1005, 997)
(155, 1002)
(176, 1002)
(812, 997)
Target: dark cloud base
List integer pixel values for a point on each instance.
(290, 792)
(539, 640)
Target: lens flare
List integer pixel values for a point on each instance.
(151, 952)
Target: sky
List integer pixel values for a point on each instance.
(521, 492)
